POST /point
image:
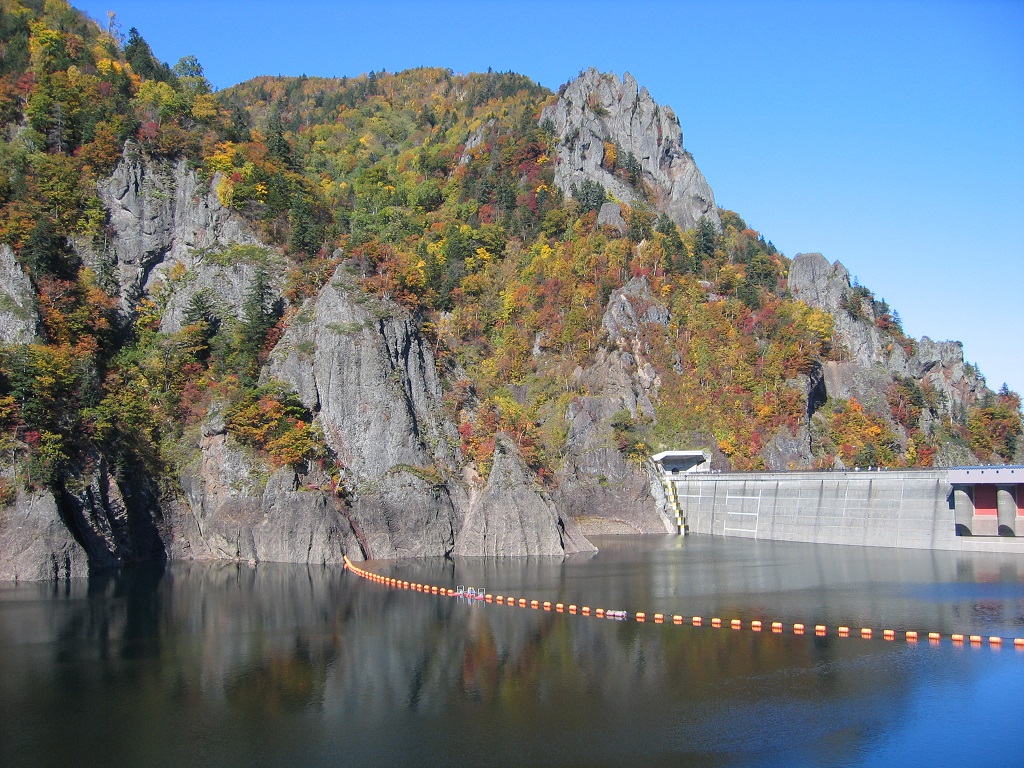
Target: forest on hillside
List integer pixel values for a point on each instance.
(436, 191)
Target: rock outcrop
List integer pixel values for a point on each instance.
(598, 485)
(512, 516)
(18, 316)
(231, 510)
(597, 114)
(161, 215)
(35, 543)
(872, 357)
(361, 366)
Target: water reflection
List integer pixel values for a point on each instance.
(291, 665)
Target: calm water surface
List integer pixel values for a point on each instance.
(284, 665)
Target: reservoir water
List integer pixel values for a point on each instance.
(274, 665)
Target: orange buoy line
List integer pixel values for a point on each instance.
(958, 639)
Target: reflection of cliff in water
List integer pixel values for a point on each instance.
(228, 646)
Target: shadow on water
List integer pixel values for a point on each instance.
(271, 665)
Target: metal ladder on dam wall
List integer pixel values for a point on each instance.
(672, 496)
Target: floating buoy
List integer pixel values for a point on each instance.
(756, 625)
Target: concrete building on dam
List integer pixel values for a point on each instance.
(961, 508)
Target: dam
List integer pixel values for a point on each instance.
(959, 508)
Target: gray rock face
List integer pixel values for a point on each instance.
(35, 544)
(231, 511)
(597, 483)
(597, 108)
(610, 215)
(161, 215)
(116, 518)
(225, 285)
(18, 316)
(512, 516)
(95, 521)
(817, 283)
(360, 364)
(789, 450)
(405, 515)
(629, 308)
(873, 356)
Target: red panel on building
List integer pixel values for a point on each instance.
(985, 500)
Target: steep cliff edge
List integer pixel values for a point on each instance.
(873, 355)
(18, 315)
(598, 484)
(511, 515)
(161, 215)
(359, 364)
(613, 133)
(230, 509)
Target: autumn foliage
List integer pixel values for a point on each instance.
(437, 191)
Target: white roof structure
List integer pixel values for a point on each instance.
(683, 461)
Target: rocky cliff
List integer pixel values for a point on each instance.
(18, 316)
(598, 485)
(163, 219)
(613, 133)
(358, 363)
(871, 355)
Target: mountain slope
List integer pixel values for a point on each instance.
(310, 317)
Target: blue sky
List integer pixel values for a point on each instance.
(886, 135)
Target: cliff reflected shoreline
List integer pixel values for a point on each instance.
(280, 664)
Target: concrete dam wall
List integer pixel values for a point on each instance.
(911, 509)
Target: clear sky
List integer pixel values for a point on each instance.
(886, 135)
